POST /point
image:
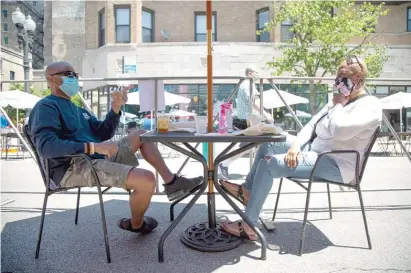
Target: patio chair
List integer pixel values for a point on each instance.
(359, 172)
(51, 188)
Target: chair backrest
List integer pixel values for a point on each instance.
(368, 152)
(40, 161)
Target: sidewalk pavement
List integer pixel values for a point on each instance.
(337, 245)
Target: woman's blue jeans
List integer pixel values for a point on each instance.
(269, 164)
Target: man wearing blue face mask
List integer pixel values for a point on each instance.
(58, 127)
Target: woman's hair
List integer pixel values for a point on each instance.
(351, 65)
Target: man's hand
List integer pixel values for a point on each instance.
(119, 98)
(340, 98)
(292, 155)
(106, 148)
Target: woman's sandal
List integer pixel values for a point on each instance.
(243, 234)
(240, 195)
(149, 224)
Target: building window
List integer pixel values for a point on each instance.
(101, 28)
(5, 27)
(396, 89)
(4, 13)
(122, 19)
(12, 75)
(5, 40)
(148, 26)
(263, 17)
(381, 90)
(408, 89)
(286, 33)
(409, 19)
(200, 27)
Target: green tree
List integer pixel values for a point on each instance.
(20, 86)
(320, 39)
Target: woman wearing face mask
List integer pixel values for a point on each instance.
(347, 123)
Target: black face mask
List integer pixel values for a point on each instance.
(344, 85)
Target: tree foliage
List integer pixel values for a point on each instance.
(322, 33)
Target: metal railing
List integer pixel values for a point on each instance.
(271, 81)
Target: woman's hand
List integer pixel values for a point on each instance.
(292, 155)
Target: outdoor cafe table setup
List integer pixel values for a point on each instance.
(208, 236)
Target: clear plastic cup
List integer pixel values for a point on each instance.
(162, 123)
(201, 124)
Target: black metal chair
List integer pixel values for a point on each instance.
(358, 177)
(51, 188)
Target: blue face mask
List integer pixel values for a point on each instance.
(70, 86)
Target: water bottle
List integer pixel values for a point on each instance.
(225, 121)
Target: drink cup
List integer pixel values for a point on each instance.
(201, 124)
(162, 123)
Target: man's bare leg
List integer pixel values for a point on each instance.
(175, 186)
(150, 153)
(142, 183)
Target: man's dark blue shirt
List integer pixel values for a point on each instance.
(58, 127)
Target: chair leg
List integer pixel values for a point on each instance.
(77, 207)
(329, 201)
(43, 213)
(307, 203)
(103, 219)
(364, 218)
(278, 198)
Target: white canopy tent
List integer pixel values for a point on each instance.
(18, 99)
(397, 101)
(170, 99)
(272, 100)
(181, 113)
(127, 116)
(300, 114)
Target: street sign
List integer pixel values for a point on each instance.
(130, 68)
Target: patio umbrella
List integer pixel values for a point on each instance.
(272, 100)
(18, 99)
(300, 114)
(170, 98)
(397, 101)
(127, 116)
(181, 113)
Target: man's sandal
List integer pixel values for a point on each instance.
(149, 224)
(239, 195)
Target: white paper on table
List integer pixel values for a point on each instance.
(182, 130)
(146, 89)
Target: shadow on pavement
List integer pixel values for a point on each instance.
(286, 238)
(67, 247)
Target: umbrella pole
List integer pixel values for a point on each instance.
(400, 120)
(211, 195)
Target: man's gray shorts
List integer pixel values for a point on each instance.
(112, 172)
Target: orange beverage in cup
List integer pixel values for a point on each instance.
(162, 123)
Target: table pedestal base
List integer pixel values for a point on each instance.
(201, 237)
